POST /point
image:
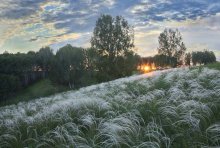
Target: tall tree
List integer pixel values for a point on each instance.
(112, 38)
(171, 44)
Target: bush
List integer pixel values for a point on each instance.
(203, 57)
(9, 84)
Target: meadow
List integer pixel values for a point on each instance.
(171, 108)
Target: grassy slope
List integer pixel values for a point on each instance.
(45, 88)
(39, 89)
(177, 109)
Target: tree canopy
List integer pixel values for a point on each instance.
(112, 36)
(68, 65)
(171, 44)
(188, 58)
(45, 56)
(113, 39)
(203, 57)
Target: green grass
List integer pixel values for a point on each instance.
(42, 88)
(214, 65)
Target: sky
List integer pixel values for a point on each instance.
(31, 24)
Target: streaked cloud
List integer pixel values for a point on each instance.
(29, 24)
(159, 10)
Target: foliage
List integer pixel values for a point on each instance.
(171, 44)
(188, 59)
(20, 70)
(8, 85)
(113, 39)
(203, 57)
(42, 88)
(160, 60)
(129, 63)
(164, 61)
(112, 36)
(45, 56)
(68, 66)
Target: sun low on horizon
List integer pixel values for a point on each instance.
(31, 24)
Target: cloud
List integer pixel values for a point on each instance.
(29, 24)
(11, 9)
(160, 10)
(77, 15)
(51, 20)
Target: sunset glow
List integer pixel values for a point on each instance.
(146, 67)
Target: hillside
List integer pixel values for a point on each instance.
(42, 88)
(172, 108)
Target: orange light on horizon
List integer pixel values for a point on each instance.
(146, 67)
(153, 67)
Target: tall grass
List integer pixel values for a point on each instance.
(176, 108)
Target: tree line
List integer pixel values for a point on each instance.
(160, 61)
(109, 57)
(194, 58)
(172, 52)
(200, 57)
(19, 70)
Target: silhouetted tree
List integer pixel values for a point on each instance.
(128, 63)
(9, 84)
(112, 36)
(68, 66)
(171, 44)
(187, 59)
(208, 57)
(161, 60)
(147, 60)
(203, 57)
(45, 56)
(17, 71)
(113, 39)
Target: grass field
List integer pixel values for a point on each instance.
(175, 108)
(42, 88)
